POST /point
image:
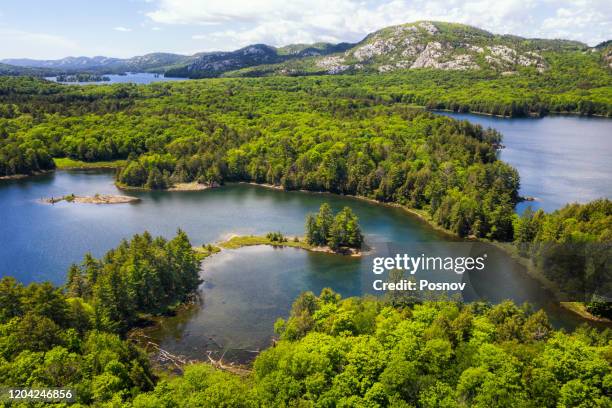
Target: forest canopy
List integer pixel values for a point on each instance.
(74, 337)
(367, 352)
(299, 133)
(341, 230)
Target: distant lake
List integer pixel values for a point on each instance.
(130, 77)
(561, 159)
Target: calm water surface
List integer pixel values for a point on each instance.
(244, 290)
(560, 159)
(130, 77)
(39, 241)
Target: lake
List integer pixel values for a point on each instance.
(246, 290)
(129, 77)
(560, 159)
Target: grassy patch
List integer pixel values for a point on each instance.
(67, 163)
(249, 240)
(206, 250)
(580, 309)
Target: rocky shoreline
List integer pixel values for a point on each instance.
(95, 199)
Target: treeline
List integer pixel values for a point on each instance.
(28, 157)
(341, 230)
(367, 352)
(143, 275)
(48, 339)
(572, 247)
(344, 134)
(424, 161)
(73, 337)
(82, 77)
(300, 134)
(38, 97)
(576, 82)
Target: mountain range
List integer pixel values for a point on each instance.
(423, 44)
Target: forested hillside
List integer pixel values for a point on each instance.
(362, 352)
(443, 46)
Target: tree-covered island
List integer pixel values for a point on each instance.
(339, 234)
(336, 232)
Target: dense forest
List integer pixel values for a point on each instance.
(143, 275)
(341, 230)
(297, 133)
(366, 352)
(364, 135)
(75, 336)
(356, 352)
(572, 247)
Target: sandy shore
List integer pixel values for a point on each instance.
(96, 199)
(193, 186)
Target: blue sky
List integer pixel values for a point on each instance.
(124, 28)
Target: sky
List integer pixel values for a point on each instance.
(44, 29)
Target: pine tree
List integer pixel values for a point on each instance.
(324, 221)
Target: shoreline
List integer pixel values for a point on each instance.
(241, 241)
(504, 246)
(419, 214)
(530, 115)
(95, 199)
(23, 176)
(191, 186)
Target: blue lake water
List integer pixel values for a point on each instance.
(130, 77)
(560, 159)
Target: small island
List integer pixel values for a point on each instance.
(95, 199)
(339, 234)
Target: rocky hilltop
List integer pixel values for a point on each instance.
(430, 44)
(214, 64)
(422, 44)
(435, 45)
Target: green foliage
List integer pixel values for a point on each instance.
(571, 247)
(51, 337)
(365, 352)
(276, 237)
(349, 135)
(143, 275)
(48, 339)
(342, 230)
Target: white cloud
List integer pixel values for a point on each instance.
(122, 29)
(17, 43)
(587, 24)
(280, 22)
